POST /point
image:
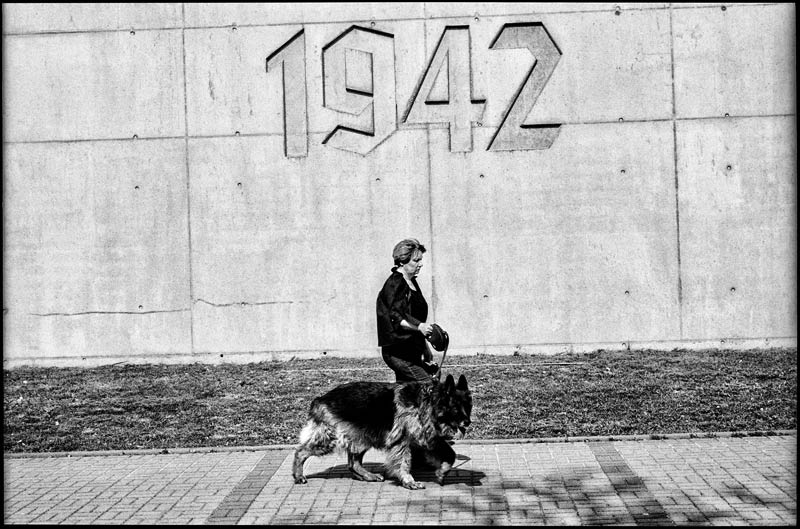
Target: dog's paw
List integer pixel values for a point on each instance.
(301, 480)
(442, 471)
(411, 484)
(367, 476)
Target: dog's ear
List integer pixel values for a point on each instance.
(449, 383)
(462, 383)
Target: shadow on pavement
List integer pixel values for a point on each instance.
(455, 476)
(574, 495)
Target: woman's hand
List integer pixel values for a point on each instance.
(425, 329)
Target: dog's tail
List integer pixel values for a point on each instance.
(317, 431)
(318, 411)
(315, 434)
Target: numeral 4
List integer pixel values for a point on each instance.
(447, 90)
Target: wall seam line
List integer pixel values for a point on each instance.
(675, 169)
(669, 346)
(40, 33)
(400, 129)
(105, 313)
(434, 299)
(188, 185)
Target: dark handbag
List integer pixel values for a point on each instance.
(438, 339)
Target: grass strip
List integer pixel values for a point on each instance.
(640, 392)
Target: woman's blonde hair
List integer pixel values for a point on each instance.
(405, 249)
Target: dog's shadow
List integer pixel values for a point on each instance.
(425, 474)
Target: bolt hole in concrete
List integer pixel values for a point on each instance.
(378, 179)
(724, 8)
(733, 289)
(621, 119)
(233, 27)
(622, 171)
(236, 133)
(133, 32)
(135, 136)
(481, 176)
(627, 292)
(140, 307)
(238, 184)
(729, 168)
(136, 187)
(727, 115)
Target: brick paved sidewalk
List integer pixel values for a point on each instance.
(680, 480)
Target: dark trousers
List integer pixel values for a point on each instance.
(405, 370)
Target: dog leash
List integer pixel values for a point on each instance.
(458, 465)
(442, 339)
(441, 363)
(438, 374)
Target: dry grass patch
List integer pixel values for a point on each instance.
(600, 393)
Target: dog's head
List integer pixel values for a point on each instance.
(453, 407)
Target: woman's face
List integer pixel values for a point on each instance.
(413, 266)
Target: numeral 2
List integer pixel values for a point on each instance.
(512, 134)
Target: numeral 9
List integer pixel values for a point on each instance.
(358, 80)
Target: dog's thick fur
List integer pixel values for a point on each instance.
(398, 418)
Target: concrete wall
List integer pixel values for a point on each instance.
(155, 211)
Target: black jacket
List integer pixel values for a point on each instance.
(396, 301)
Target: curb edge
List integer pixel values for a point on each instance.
(260, 448)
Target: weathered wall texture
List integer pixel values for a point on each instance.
(174, 190)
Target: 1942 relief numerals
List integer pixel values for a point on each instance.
(358, 81)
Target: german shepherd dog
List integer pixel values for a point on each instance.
(396, 417)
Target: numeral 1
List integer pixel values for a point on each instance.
(291, 59)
